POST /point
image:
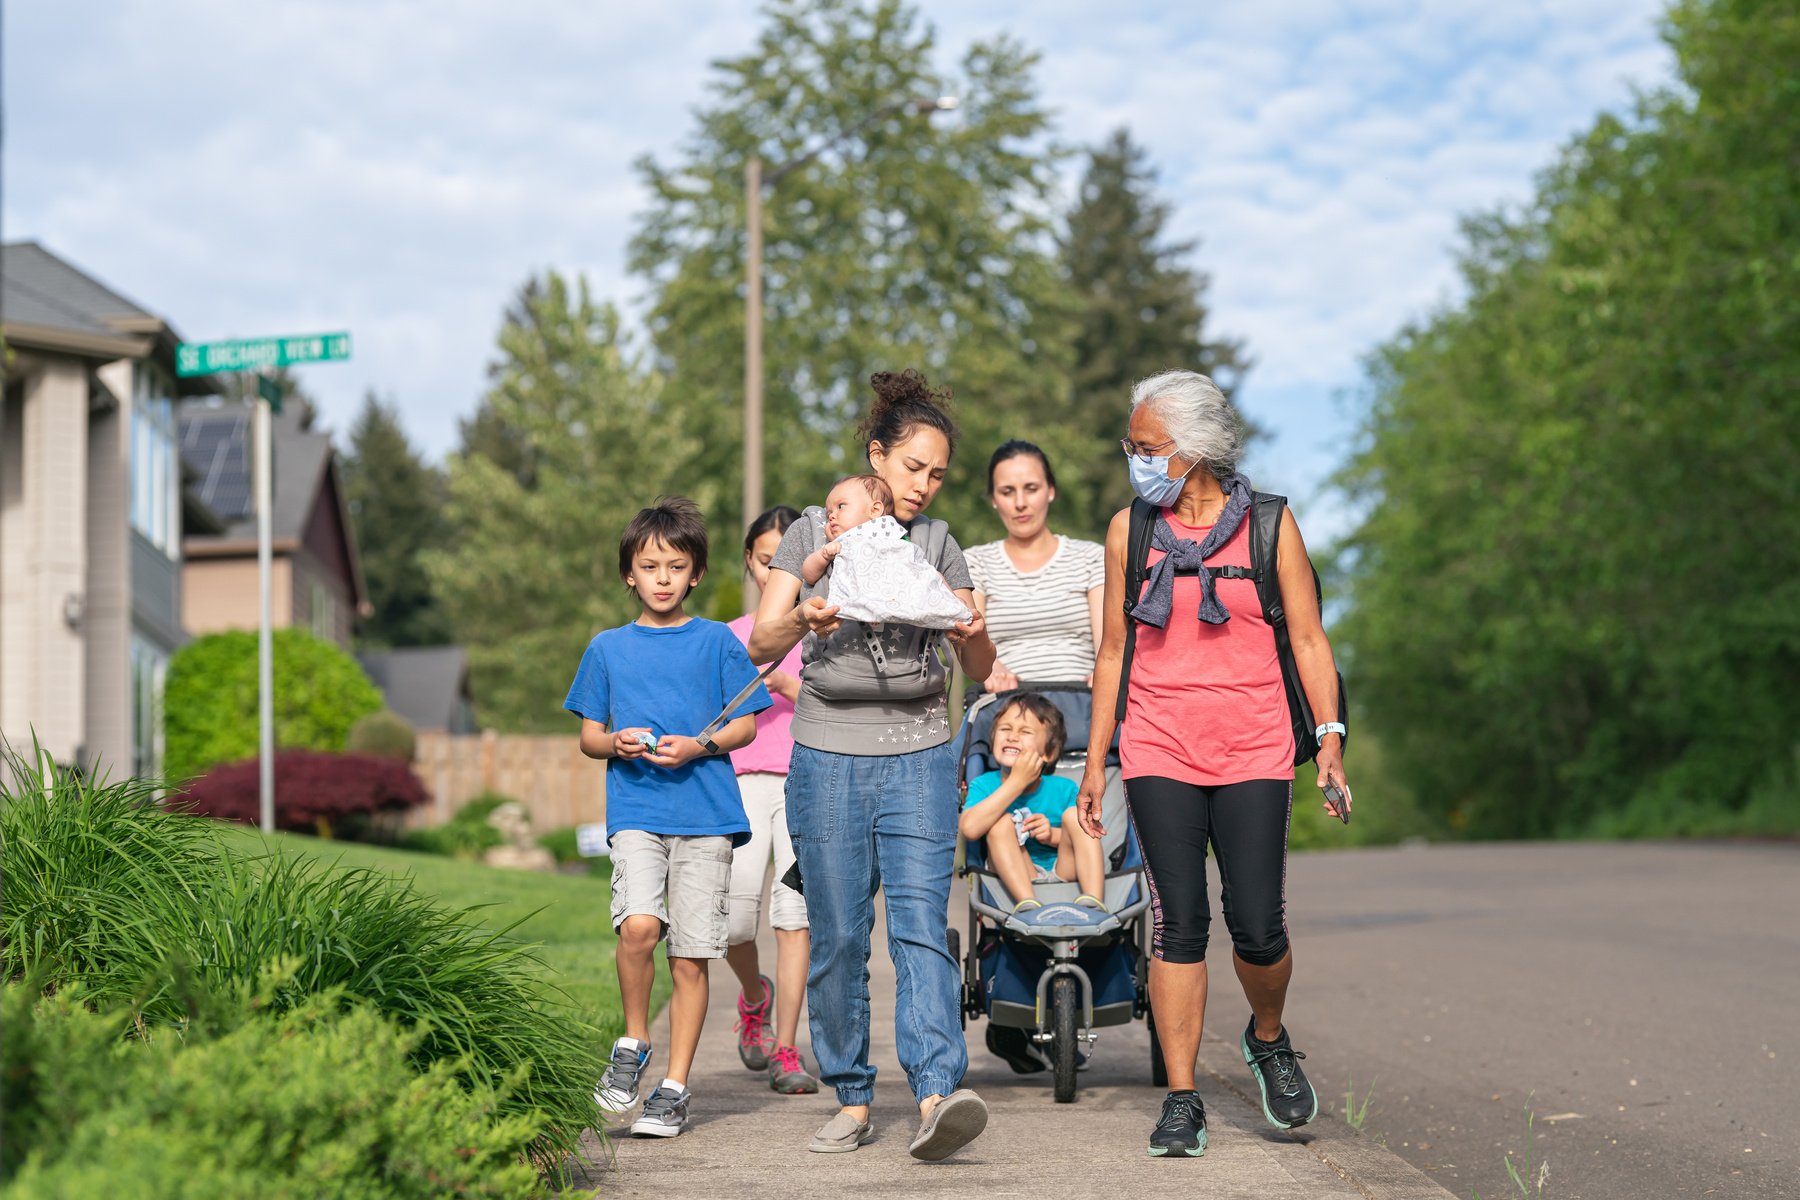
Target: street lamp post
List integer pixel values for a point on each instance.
(755, 181)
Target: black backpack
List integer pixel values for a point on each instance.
(1265, 536)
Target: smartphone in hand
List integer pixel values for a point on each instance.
(1337, 802)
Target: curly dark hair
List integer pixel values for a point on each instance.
(903, 402)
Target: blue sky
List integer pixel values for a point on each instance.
(398, 169)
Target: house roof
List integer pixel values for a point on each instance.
(215, 446)
(42, 289)
(424, 684)
(215, 442)
(47, 303)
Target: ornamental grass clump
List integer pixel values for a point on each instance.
(150, 914)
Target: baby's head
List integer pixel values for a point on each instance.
(1028, 721)
(855, 499)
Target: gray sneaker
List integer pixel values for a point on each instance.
(788, 1074)
(665, 1114)
(618, 1088)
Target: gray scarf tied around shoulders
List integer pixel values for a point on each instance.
(1183, 554)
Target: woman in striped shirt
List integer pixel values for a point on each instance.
(1038, 591)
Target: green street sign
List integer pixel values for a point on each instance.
(252, 354)
(269, 390)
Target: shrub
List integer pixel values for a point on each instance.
(561, 844)
(318, 793)
(210, 700)
(317, 1101)
(383, 734)
(150, 914)
(466, 835)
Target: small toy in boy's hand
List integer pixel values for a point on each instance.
(1018, 819)
(1337, 802)
(647, 740)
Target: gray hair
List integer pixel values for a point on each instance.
(1204, 426)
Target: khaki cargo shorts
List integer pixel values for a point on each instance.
(684, 882)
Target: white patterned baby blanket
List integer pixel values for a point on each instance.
(879, 576)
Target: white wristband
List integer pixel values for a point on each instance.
(1336, 727)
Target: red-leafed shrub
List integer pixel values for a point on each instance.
(333, 795)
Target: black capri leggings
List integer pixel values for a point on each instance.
(1247, 824)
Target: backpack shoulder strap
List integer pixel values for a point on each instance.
(1137, 557)
(933, 536)
(1266, 510)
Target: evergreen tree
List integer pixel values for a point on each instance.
(396, 504)
(913, 241)
(1141, 310)
(588, 436)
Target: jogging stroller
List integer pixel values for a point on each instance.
(1056, 984)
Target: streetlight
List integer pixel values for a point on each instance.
(754, 183)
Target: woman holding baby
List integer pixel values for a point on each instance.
(872, 789)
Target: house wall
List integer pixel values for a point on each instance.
(221, 593)
(106, 617)
(45, 546)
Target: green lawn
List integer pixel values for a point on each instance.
(565, 915)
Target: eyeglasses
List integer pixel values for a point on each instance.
(1143, 453)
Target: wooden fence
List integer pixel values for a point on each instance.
(547, 774)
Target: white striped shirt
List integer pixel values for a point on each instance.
(1039, 620)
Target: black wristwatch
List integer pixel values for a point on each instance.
(707, 744)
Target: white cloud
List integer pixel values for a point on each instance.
(399, 169)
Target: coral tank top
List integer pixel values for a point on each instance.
(1205, 703)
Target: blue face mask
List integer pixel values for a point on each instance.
(1151, 480)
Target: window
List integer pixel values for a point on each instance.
(155, 465)
(324, 614)
(149, 670)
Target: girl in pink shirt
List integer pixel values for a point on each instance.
(762, 770)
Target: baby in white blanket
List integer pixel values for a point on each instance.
(879, 576)
(852, 501)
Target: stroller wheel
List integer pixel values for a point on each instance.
(953, 940)
(1159, 1070)
(1065, 1002)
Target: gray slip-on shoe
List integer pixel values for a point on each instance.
(957, 1120)
(842, 1134)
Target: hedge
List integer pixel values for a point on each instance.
(210, 700)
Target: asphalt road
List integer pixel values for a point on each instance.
(1642, 999)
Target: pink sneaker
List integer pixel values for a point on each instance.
(788, 1074)
(753, 1028)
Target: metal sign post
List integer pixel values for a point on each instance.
(259, 355)
(265, 637)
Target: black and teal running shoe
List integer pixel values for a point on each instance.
(1288, 1099)
(1181, 1131)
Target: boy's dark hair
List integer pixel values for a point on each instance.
(676, 522)
(875, 486)
(772, 520)
(1056, 734)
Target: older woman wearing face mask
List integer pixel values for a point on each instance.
(1208, 743)
(1038, 590)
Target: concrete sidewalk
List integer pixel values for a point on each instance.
(747, 1141)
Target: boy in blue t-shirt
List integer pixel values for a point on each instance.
(1026, 818)
(673, 814)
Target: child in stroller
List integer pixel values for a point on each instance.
(1047, 978)
(1024, 814)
